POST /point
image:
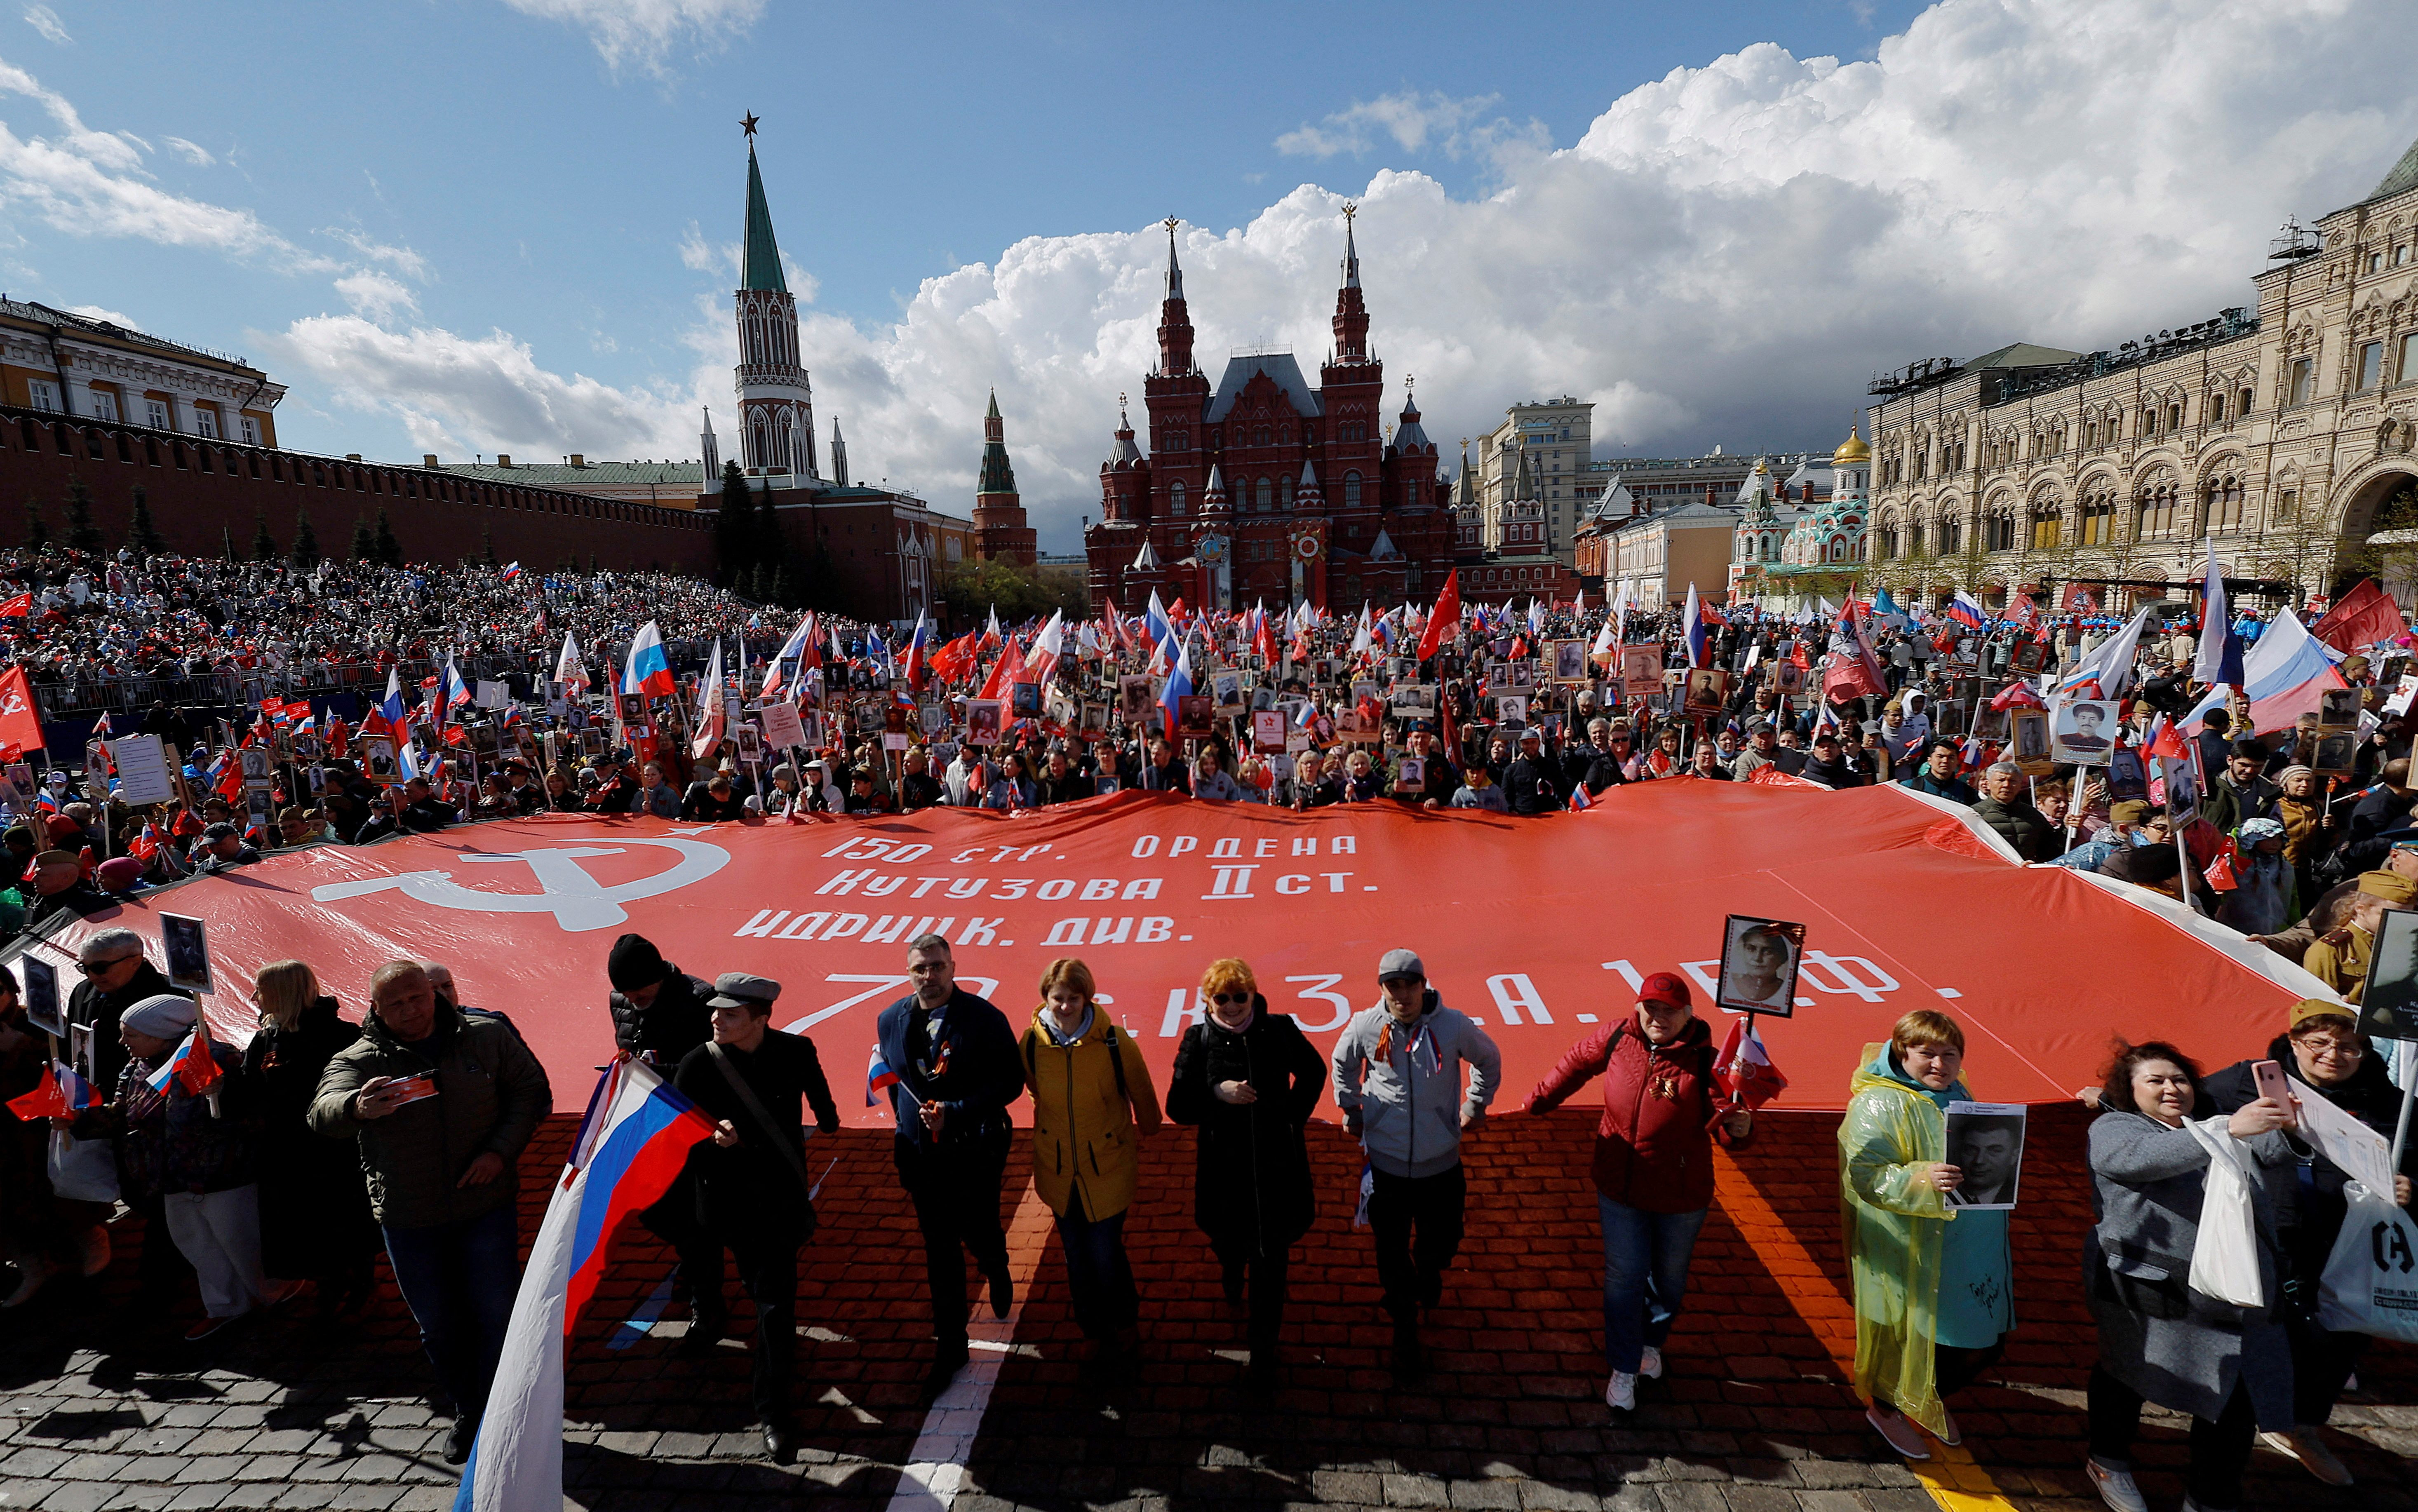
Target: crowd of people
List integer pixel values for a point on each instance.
(323, 1143)
(319, 1145)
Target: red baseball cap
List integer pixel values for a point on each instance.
(1665, 988)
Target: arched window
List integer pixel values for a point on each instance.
(1175, 496)
(1914, 539)
(2223, 501)
(2001, 535)
(2048, 525)
(1951, 533)
(2098, 518)
(2154, 511)
(1260, 435)
(2214, 408)
(1888, 540)
(1268, 495)
(1352, 490)
(1284, 492)
(2174, 417)
(2242, 403)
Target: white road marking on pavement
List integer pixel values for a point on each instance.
(935, 1470)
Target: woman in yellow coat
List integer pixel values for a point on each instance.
(1934, 1281)
(1092, 1100)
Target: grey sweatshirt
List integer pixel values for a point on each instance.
(1410, 1098)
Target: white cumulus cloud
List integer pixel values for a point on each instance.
(644, 33)
(377, 297)
(46, 22)
(1724, 256)
(1411, 121)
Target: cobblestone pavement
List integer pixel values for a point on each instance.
(105, 1407)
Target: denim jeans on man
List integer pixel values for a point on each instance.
(1644, 1275)
(458, 1279)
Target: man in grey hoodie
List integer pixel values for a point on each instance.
(1398, 1079)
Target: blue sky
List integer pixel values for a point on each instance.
(474, 225)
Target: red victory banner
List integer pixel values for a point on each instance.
(1538, 927)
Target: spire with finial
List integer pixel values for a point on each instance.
(761, 267)
(1351, 312)
(1174, 317)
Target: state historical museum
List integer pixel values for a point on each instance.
(1265, 488)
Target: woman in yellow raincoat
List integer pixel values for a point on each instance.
(1917, 1340)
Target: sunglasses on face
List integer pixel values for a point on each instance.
(1223, 997)
(96, 968)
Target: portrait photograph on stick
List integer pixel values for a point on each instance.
(1985, 1144)
(1759, 962)
(2081, 731)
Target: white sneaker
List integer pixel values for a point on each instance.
(2115, 1487)
(1622, 1391)
(1650, 1364)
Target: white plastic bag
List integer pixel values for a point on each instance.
(84, 1170)
(2371, 1280)
(2225, 1256)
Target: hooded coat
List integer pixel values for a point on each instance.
(1653, 1145)
(1092, 1099)
(1895, 1222)
(1251, 1180)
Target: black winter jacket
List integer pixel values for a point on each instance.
(1252, 1176)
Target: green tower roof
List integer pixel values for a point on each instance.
(762, 267)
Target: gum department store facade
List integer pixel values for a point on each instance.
(2280, 432)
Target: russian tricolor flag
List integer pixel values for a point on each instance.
(1179, 684)
(878, 1077)
(1965, 612)
(795, 649)
(2283, 673)
(631, 1146)
(649, 671)
(192, 1067)
(1695, 622)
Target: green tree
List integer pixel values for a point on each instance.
(364, 548)
(37, 530)
(306, 540)
(591, 563)
(735, 527)
(770, 544)
(1019, 592)
(142, 535)
(390, 551)
(83, 535)
(264, 545)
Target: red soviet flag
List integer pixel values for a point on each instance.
(1744, 1068)
(1445, 618)
(2360, 619)
(21, 718)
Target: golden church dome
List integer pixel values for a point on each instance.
(1852, 451)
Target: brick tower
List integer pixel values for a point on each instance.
(1000, 530)
(776, 403)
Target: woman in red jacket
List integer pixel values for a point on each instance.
(1653, 1166)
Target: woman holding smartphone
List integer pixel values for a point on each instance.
(2320, 1053)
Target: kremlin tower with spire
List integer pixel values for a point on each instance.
(1000, 529)
(1264, 487)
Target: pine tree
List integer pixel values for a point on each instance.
(83, 535)
(226, 542)
(390, 551)
(591, 564)
(781, 592)
(264, 545)
(734, 528)
(142, 535)
(37, 530)
(364, 548)
(306, 540)
(488, 546)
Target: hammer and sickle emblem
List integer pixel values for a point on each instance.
(577, 901)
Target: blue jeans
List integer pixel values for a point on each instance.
(1644, 1275)
(459, 1280)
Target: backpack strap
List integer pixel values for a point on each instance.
(790, 1152)
(1117, 1062)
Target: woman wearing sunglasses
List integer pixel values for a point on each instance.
(1247, 1080)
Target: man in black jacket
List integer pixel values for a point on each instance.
(753, 1193)
(1532, 785)
(59, 888)
(658, 1011)
(117, 976)
(2004, 808)
(957, 1069)
(2240, 792)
